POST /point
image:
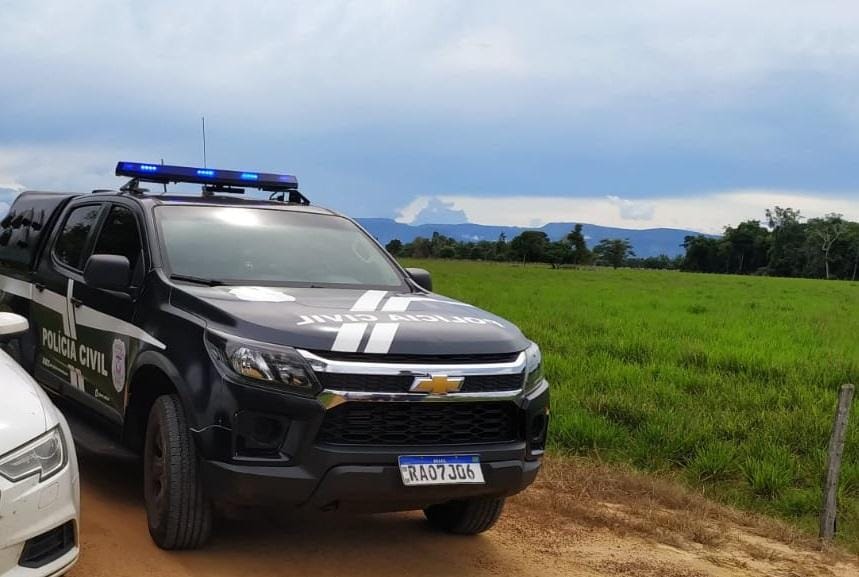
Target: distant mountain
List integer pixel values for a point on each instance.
(649, 242)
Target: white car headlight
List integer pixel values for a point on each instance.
(533, 366)
(45, 455)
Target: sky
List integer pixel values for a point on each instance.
(639, 114)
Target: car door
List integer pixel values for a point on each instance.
(58, 347)
(105, 317)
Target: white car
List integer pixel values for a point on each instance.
(39, 483)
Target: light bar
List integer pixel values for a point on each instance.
(164, 173)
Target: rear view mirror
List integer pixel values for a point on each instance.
(108, 271)
(12, 325)
(422, 277)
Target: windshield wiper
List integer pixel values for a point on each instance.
(196, 279)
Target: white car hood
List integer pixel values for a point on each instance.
(23, 406)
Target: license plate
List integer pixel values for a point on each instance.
(441, 470)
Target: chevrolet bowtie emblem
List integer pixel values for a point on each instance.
(437, 384)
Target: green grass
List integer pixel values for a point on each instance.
(728, 383)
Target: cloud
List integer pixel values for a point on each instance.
(311, 66)
(633, 210)
(708, 213)
(442, 99)
(436, 211)
(57, 166)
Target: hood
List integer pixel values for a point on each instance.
(352, 320)
(23, 410)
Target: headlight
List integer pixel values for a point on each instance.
(45, 455)
(260, 363)
(533, 366)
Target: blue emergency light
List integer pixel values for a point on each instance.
(210, 177)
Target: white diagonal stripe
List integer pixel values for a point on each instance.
(89, 317)
(381, 338)
(84, 316)
(349, 336)
(401, 304)
(16, 287)
(54, 301)
(396, 304)
(70, 310)
(368, 301)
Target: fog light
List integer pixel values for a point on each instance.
(537, 431)
(259, 435)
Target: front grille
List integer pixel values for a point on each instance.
(368, 383)
(357, 423)
(402, 383)
(48, 546)
(455, 359)
(492, 383)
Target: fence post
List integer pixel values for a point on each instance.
(833, 463)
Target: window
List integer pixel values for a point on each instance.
(257, 246)
(120, 236)
(73, 239)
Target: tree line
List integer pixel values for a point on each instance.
(529, 246)
(785, 244)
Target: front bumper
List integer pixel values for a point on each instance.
(367, 488)
(358, 477)
(30, 508)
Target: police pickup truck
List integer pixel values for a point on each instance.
(268, 353)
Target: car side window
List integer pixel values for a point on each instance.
(71, 244)
(120, 236)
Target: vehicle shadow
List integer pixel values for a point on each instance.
(272, 543)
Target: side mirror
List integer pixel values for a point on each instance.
(108, 271)
(422, 277)
(12, 325)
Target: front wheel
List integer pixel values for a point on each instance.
(179, 515)
(466, 517)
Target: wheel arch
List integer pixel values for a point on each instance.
(152, 375)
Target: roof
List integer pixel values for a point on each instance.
(187, 200)
(224, 200)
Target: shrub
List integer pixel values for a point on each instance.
(714, 462)
(770, 475)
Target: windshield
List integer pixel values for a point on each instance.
(253, 245)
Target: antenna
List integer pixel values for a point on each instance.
(165, 184)
(203, 118)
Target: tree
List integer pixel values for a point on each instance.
(502, 250)
(703, 254)
(747, 246)
(613, 251)
(420, 248)
(579, 253)
(780, 217)
(851, 239)
(395, 247)
(787, 256)
(558, 253)
(827, 231)
(661, 262)
(530, 246)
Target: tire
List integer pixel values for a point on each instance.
(468, 517)
(177, 510)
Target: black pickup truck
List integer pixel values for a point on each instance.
(268, 353)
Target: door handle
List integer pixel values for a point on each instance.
(39, 287)
(76, 302)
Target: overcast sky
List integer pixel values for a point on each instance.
(636, 114)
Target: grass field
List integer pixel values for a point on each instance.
(726, 382)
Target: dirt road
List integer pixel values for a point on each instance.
(581, 519)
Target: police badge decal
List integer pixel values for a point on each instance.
(117, 368)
